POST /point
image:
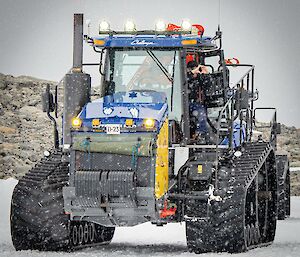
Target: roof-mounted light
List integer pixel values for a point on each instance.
(104, 26)
(160, 25)
(129, 26)
(186, 25)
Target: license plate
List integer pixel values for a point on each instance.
(113, 129)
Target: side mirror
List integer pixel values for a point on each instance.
(48, 100)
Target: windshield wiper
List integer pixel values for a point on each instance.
(160, 65)
(172, 88)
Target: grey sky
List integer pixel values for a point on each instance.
(36, 37)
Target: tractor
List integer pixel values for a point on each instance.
(134, 154)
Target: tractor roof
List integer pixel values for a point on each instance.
(144, 40)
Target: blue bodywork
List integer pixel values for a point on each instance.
(236, 139)
(149, 41)
(116, 108)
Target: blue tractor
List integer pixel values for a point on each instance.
(162, 143)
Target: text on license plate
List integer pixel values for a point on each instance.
(113, 129)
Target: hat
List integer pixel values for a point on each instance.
(192, 64)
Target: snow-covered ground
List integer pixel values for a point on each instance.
(149, 240)
(294, 169)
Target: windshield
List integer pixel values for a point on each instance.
(145, 70)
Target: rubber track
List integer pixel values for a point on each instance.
(38, 221)
(224, 230)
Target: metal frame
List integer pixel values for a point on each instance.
(273, 125)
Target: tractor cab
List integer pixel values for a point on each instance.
(141, 63)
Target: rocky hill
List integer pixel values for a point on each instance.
(26, 132)
(23, 126)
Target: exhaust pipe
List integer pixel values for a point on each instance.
(78, 42)
(77, 85)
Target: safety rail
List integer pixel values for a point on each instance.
(235, 109)
(275, 127)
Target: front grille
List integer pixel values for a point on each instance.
(100, 187)
(98, 162)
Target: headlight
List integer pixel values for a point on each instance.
(76, 123)
(160, 25)
(186, 25)
(149, 123)
(95, 123)
(129, 26)
(129, 122)
(104, 26)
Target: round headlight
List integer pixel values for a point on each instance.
(76, 123)
(104, 26)
(129, 26)
(149, 123)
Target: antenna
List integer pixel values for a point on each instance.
(218, 32)
(219, 15)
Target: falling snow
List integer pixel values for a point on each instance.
(149, 240)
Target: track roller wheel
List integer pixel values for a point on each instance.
(86, 234)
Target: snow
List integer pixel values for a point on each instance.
(294, 169)
(149, 240)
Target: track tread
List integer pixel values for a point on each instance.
(224, 230)
(38, 221)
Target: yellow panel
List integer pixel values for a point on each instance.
(162, 161)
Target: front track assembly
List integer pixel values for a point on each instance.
(38, 221)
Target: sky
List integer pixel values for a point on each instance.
(36, 37)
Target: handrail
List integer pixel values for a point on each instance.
(222, 111)
(272, 126)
